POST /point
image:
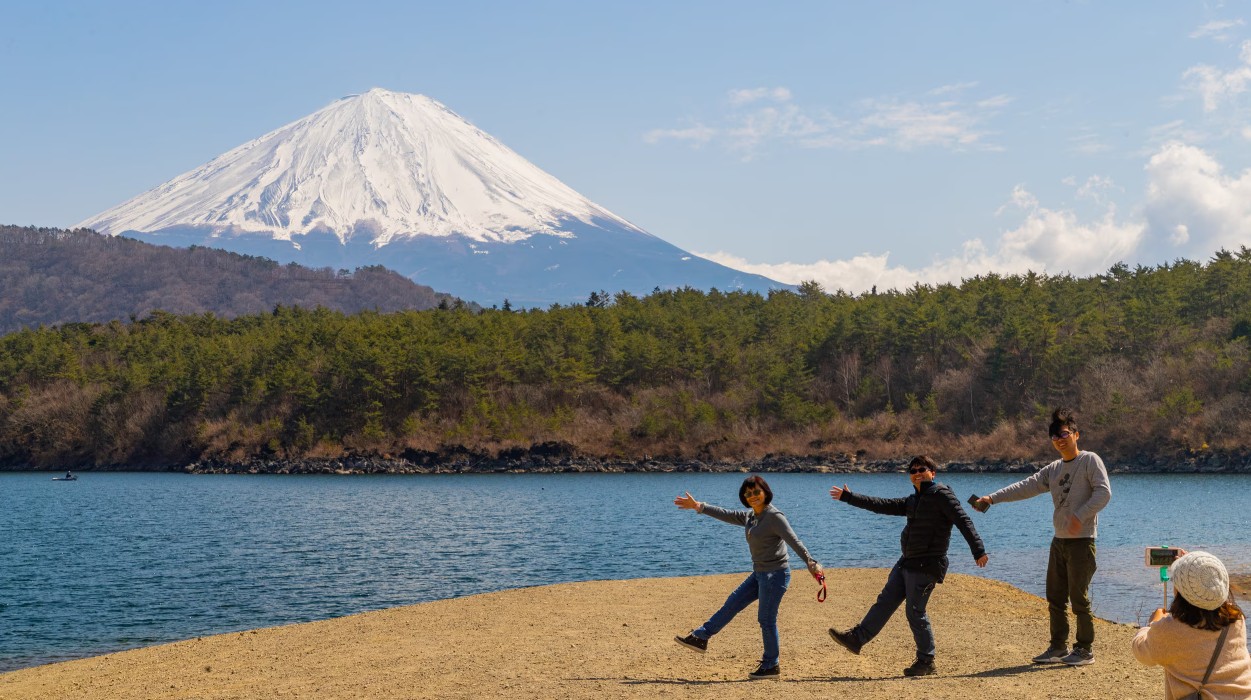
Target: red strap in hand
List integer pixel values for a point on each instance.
(821, 593)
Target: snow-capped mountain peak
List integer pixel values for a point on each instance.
(379, 165)
(387, 178)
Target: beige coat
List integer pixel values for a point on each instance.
(1184, 652)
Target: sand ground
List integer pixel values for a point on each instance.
(614, 639)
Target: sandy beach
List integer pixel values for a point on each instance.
(613, 639)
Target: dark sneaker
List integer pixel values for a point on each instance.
(763, 673)
(1079, 657)
(1053, 655)
(846, 639)
(690, 641)
(920, 667)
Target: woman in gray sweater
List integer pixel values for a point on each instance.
(768, 533)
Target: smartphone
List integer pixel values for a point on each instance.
(1161, 556)
(979, 507)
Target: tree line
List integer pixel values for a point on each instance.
(1155, 360)
(50, 276)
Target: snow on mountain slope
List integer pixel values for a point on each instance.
(382, 163)
(401, 181)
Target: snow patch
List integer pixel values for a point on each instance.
(384, 165)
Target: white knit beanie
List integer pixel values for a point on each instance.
(1200, 578)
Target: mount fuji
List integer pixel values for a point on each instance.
(400, 180)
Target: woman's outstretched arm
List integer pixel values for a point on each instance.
(734, 517)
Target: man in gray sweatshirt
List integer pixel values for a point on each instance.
(1079, 487)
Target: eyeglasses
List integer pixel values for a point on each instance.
(1064, 435)
(918, 470)
(752, 491)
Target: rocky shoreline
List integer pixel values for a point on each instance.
(551, 458)
(559, 458)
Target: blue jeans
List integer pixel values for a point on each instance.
(766, 586)
(902, 585)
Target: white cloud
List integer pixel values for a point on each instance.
(995, 102)
(1192, 208)
(1088, 143)
(1019, 199)
(1176, 130)
(747, 96)
(1181, 235)
(787, 123)
(1217, 29)
(911, 125)
(1096, 188)
(1193, 205)
(859, 274)
(886, 123)
(1045, 241)
(1057, 241)
(954, 87)
(697, 134)
(1215, 86)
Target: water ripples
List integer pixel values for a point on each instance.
(115, 561)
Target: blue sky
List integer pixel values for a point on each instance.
(857, 144)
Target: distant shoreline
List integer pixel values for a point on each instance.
(461, 463)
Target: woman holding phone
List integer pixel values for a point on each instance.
(1201, 641)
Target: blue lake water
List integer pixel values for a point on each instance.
(120, 560)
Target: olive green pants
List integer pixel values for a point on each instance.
(1069, 570)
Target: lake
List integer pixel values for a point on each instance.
(119, 560)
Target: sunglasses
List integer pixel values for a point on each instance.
(751, 491)
(918, 470)
(1064, 435)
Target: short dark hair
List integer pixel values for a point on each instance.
(1183, 610)
(1062, 418)
(755, 481)
(923, 460)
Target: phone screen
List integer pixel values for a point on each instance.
(1161, 556)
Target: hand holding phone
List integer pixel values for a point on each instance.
(1161, 556)
(977, 504)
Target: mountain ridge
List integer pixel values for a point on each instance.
(435, 198)
(57, 276)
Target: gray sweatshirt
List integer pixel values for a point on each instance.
(767, 536)
(1079, 487)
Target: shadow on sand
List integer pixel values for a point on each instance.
(989, 673)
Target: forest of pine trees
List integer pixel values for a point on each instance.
(50, 276)
(1156, 360)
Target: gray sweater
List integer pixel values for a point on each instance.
(1079, 487)
(767, 536)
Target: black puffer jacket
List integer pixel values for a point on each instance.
(931, 512)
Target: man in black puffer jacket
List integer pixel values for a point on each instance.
(931, 511)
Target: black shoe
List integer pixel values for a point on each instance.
(690, 641)
(920, 667)
(763, 673)
(846, 639)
